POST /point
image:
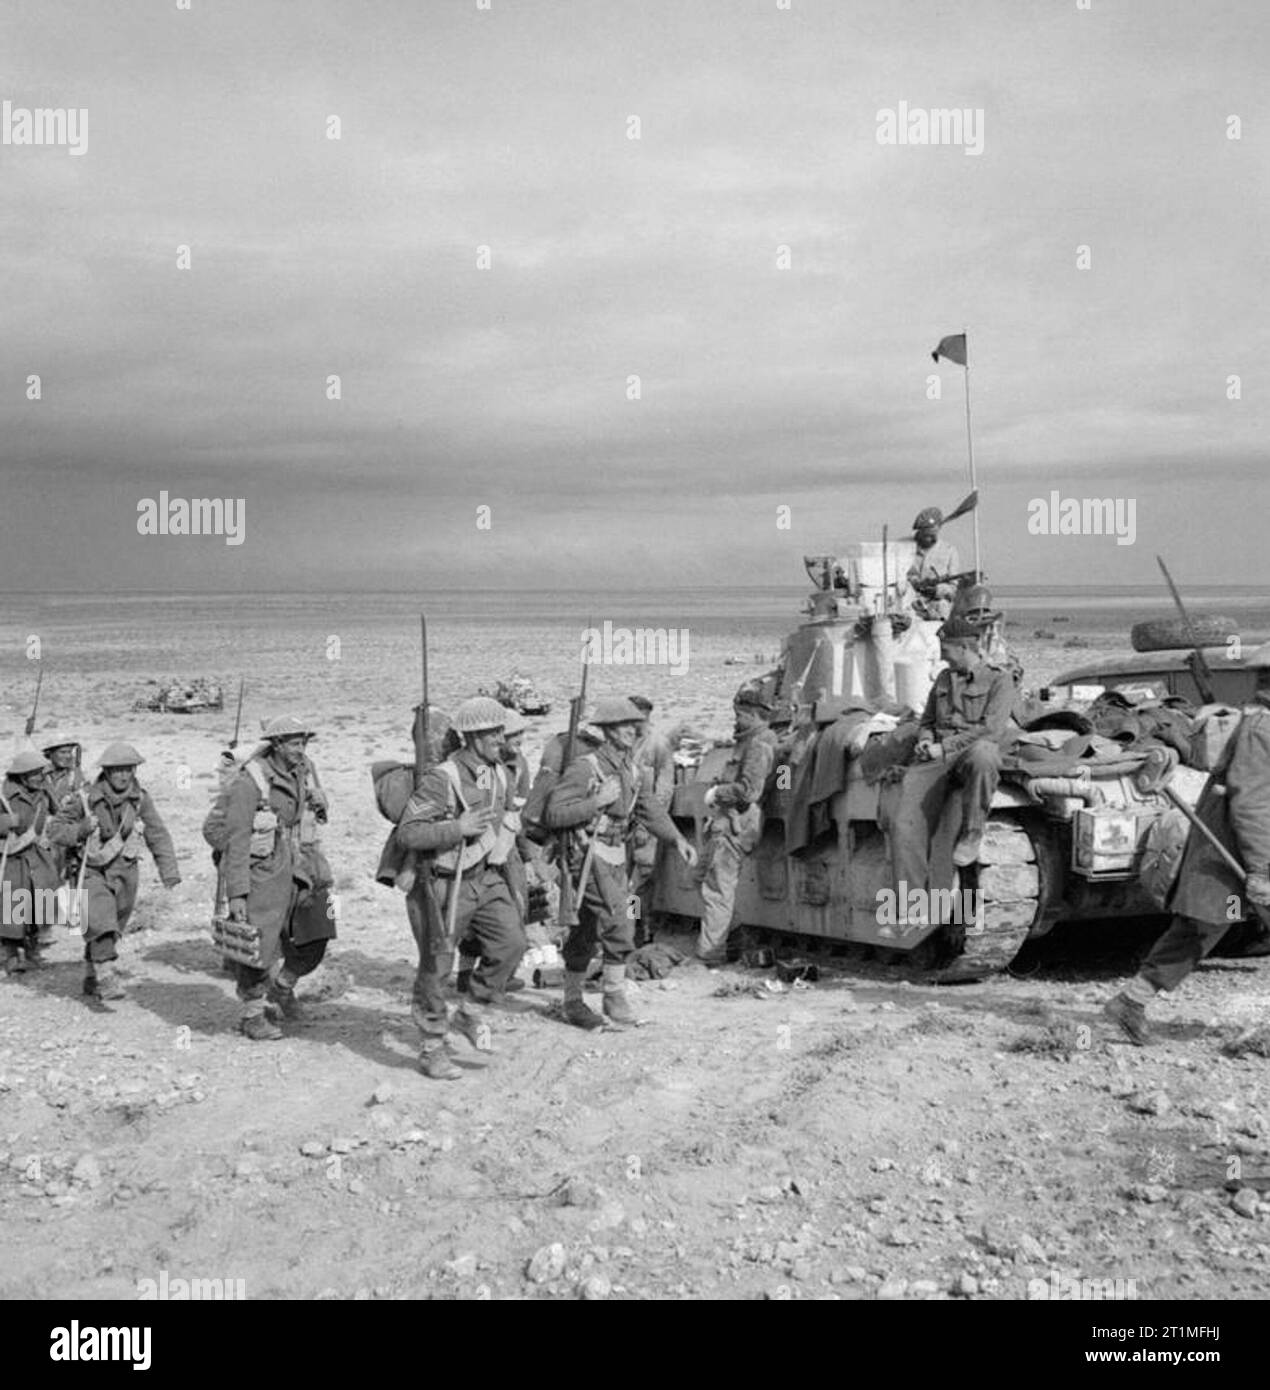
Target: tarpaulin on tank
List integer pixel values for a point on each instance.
(821, 775)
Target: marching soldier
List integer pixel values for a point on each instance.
(519, 782)
(470, 887)
(959, 753)
(932, 575)
(28, 865)
(514, 757)
(64, 779)
(736, 822)
(275, 876)
(604, 793)
(655, 759)
(1209, 896)
(110, 821)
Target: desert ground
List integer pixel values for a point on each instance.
(864, 1137)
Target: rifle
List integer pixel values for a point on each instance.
(568, 896)
(419, 731)
(238, 716)
(926, 587)
(30, 723)
(418, 868)
(1199, 667)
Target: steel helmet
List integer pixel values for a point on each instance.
(52, 742)
(120, 755)
(27, 761)
(286, 726)
(928, 516)
(617, 709)
(479, 715)
(516, 723)
(960, 630)
(975, 604)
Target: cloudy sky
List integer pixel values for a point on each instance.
(507, 387)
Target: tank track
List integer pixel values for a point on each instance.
(1008, 875)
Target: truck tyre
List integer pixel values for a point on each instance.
(1169, 634)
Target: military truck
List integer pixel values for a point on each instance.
(1064, 842)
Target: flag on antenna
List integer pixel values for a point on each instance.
(953, 348)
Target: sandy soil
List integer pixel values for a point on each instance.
(865, 1137)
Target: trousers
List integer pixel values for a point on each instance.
(1184, 944)
(722, 873)
(486, 920)
(939, 801)
(604, 916)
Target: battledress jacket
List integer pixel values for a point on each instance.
(1235, 806)
(963, 708)
(269, 882)
(33, 867)
(572, 802)
(110, 811)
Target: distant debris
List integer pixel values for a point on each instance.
(1060, 618)
(518, 692)
(171, 696)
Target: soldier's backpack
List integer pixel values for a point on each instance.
(215, 825)
(394, 784)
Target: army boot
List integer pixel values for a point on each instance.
(436, 1063)
(13, 962)
(472, 1027)
(575, 1007)
(280, 1001)
(255, 1025)
(1130, 1016)
(33, 950)
(109, 985)
(617, 1007)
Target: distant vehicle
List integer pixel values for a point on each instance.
(518, 692)
(198, 696)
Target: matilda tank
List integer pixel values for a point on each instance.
(1072, 823)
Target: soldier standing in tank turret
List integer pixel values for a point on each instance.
(605, 793)
(932, 575)
(110, 821)
(30, 864)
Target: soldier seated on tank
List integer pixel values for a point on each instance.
(958, 751)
